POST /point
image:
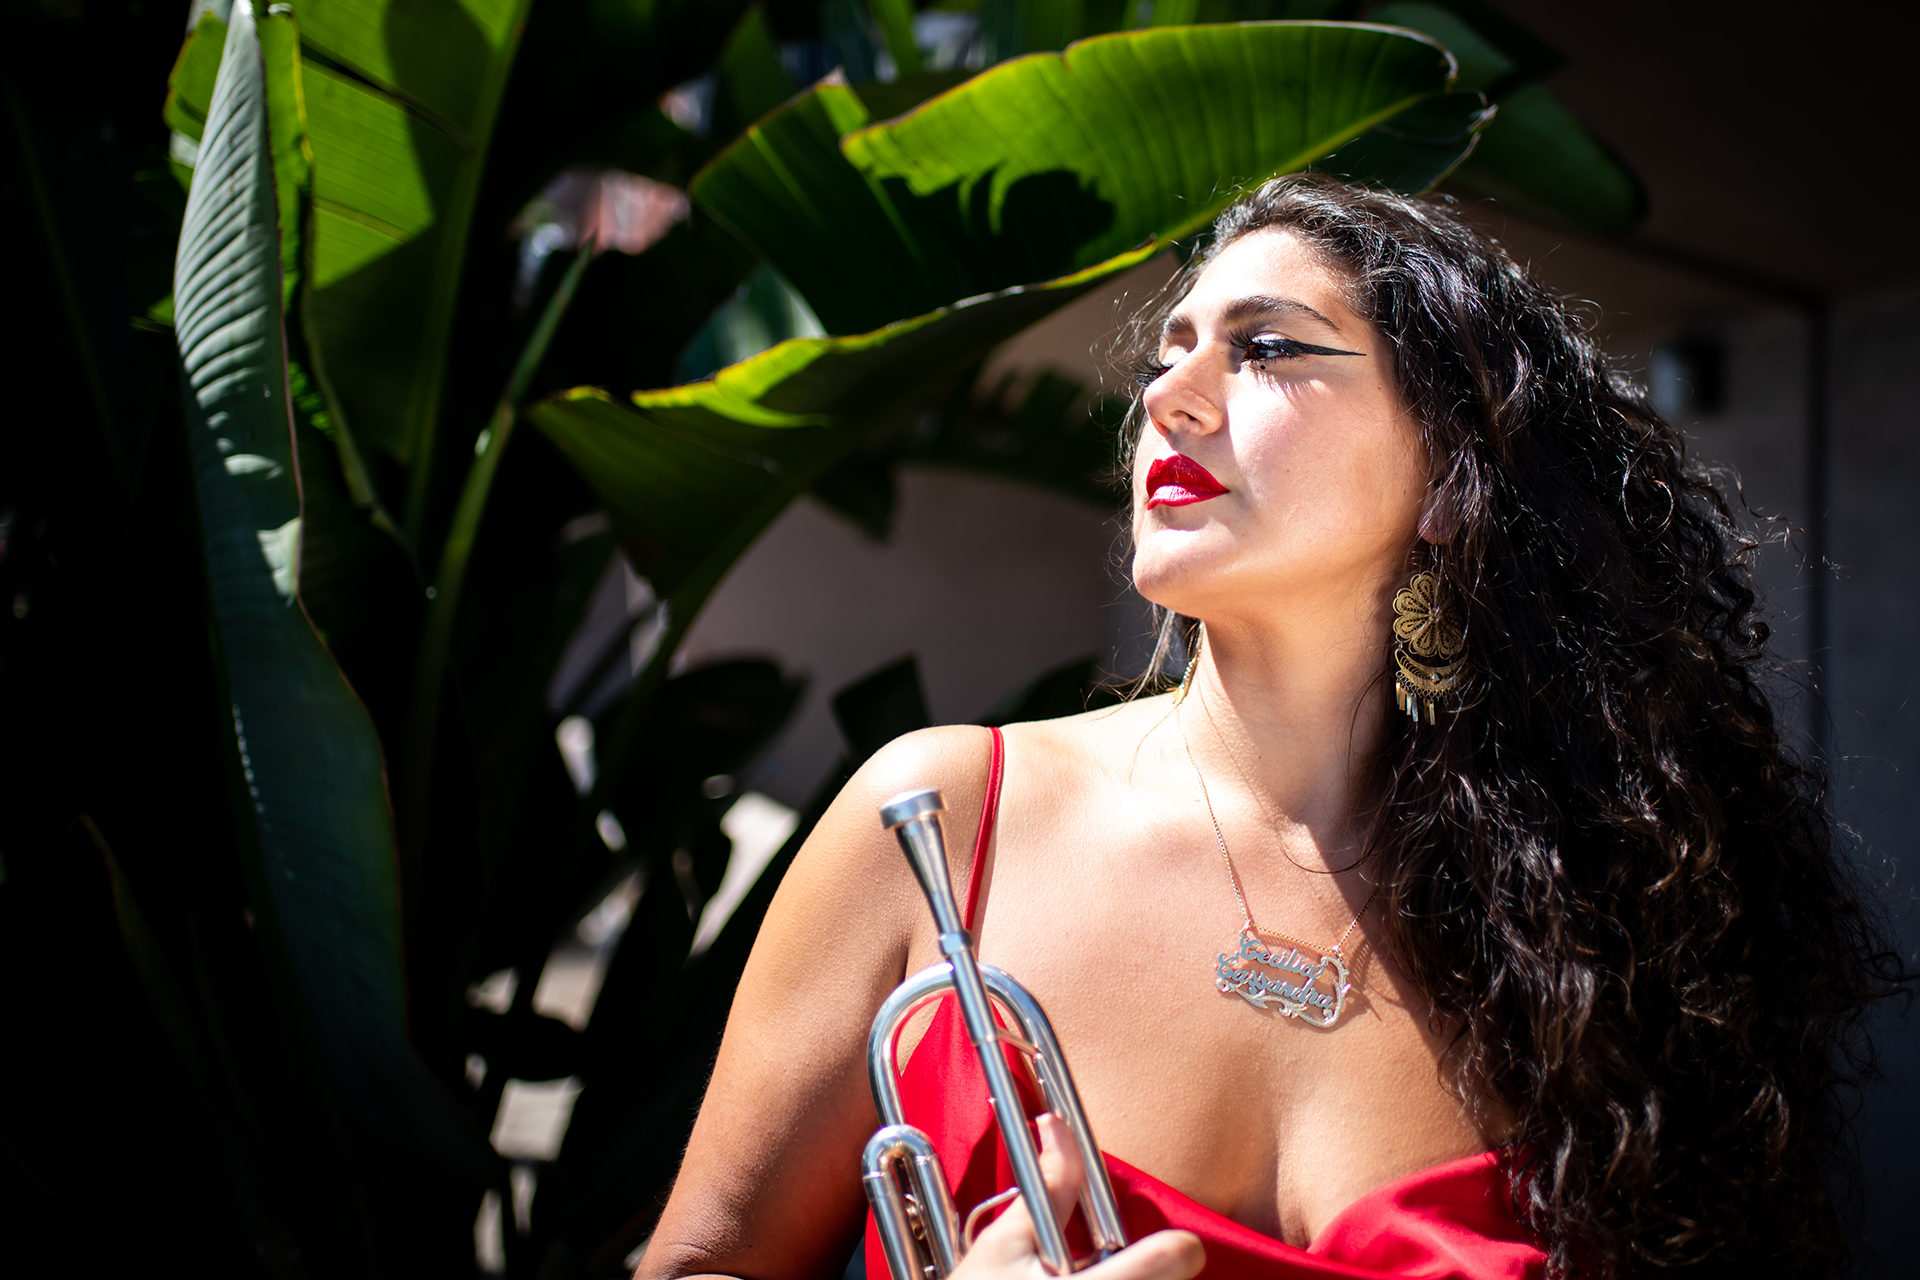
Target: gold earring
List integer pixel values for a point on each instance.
(1427, 648)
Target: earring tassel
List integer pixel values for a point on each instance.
(1428, 649)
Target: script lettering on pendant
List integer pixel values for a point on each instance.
(1285, 979)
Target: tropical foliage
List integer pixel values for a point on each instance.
(345, 808)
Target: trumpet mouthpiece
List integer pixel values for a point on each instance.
(914, 819)
(909, 805)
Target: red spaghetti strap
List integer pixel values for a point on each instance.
(988, 812)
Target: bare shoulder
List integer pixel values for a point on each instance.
(852, 862)
(851, 853)
(953, 758)
(848, 914)
(1102, 741)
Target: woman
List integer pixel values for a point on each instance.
(1474, 721)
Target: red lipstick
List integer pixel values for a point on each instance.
(1178, 480)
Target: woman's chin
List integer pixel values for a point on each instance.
(1174, 577)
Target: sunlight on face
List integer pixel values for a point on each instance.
(1280, 463)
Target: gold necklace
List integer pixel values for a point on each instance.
(1287, 980)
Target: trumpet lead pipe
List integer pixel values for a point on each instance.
(914, 818)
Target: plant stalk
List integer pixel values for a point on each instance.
(436, 640)
(896, 22)
(456, 225)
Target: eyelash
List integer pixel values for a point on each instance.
(1147, 372)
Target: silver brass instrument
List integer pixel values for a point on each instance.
(912, 1202)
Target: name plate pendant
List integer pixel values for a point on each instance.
(1284, 979)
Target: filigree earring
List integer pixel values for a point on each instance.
(1427, 648)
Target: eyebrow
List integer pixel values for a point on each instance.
(1251, 307)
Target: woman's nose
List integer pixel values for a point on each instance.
(1186, 397)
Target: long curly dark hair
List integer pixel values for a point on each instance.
(1604, 866)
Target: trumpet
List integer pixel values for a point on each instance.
(912, 1202)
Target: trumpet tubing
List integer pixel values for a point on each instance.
(912, 1203)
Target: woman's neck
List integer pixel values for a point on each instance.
(1292, 714)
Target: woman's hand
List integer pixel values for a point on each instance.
(1008, 1250)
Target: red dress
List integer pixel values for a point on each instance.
(1454, 1221)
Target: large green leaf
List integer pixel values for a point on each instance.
(692, 474)
(1534, 157)
(1416, 149)
(1050, 163)
(400, 101)
(1484, 66)
(789, 194)
(1538, 160)
(315, 809)
(927, 209)
(190, 83)
(1496, 53)
(764, 312)
(400, 142)
(1161, 126)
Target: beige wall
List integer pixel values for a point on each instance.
(988, 583)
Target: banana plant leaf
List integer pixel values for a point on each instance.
(851, 213)
(1492, 58)
(1538, 160)
(1417, 149)
(190, 83)
(1534, 157)
(400, 103)
(1161, 127)
(690, 475)
(314, 811)
(1051, 163)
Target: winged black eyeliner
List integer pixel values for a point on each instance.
(1304, 348)
(1284, 347)
(1145, 377)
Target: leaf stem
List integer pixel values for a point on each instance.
(896, 23)
(436, 640)
(455, 233)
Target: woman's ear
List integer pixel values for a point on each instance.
(1440, 519)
